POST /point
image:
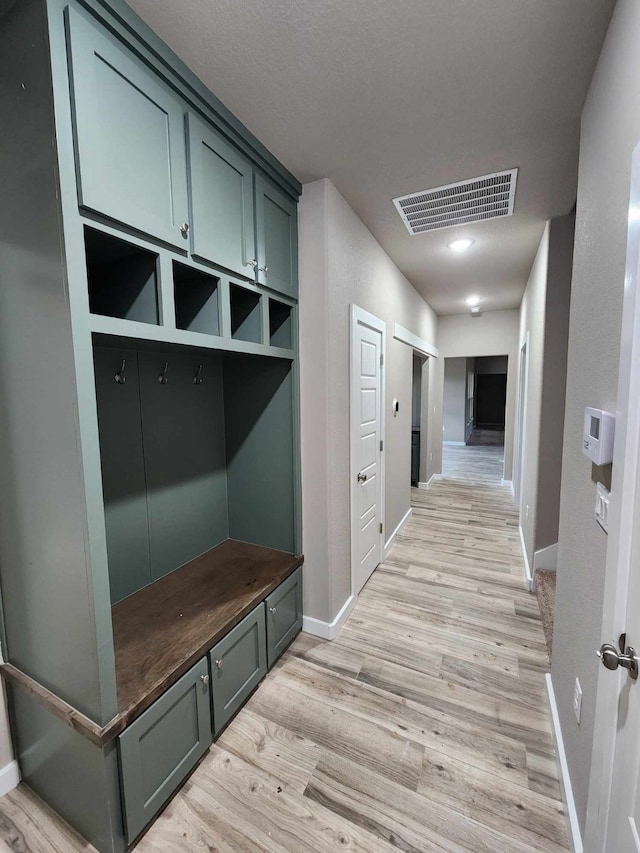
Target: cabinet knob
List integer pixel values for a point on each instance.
(219, 663)
(252, 263)
(204, 679)
(272, 610)
(184, 229)
(264, 269)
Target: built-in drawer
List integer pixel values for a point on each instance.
(283, 613)
(238, 664)
(159, 749)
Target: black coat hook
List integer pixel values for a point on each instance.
(120, 377)
(197, 379)
(162, 378)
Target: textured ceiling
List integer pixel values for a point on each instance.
(387, 97)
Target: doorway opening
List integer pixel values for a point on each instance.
(474, 418)
(419, 419)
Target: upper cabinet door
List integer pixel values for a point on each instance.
(222, 201)
(129, 136)
(277, 239)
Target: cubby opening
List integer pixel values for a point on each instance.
(280, 325)
(122, 278)
(197, 300)
(246, 324)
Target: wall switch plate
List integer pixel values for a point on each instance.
(577, 700)
(602, 507)
(526, 515)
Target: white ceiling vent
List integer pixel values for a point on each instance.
(487, 197)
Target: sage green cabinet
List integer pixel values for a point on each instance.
(221, 183)
(238, 664)
(159, 749)
(283, 615)
(276, 239)
(129, 136)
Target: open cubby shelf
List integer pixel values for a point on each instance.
(280, 324)
(122, 278)
(246, 323)
(197, 300)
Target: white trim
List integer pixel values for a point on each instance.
(519, 440)
(329, 630)
(457, 443)
(546, 558)
(359, 315)
(573, 827)
(508, 484)
(432, 479)
(9, 777)
(389, 542)
(527, 568)
(407, 337)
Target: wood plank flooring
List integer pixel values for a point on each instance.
(476, 464)
(422, 727)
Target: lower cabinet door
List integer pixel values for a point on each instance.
(283, 615)
(238, 664)
(159, 749)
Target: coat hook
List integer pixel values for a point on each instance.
(162, 378)
(197, 379)
(120, 377)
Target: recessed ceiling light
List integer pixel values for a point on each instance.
(461, 245)
(475, 310)
(472, 300)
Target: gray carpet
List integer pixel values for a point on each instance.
(546, 592)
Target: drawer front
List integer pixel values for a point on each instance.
(283, 615)
(159, 749)
(238, 663)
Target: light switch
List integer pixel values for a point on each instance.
(602, 507)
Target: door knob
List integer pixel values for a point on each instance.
(362, 478)
(611, 658)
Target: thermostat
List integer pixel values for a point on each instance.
(598, 434)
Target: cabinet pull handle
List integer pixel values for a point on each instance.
(252, 263)
(204, 679)
(264, 269)
(120, 377)
(184, 229)
(272, 610)
(219, 663)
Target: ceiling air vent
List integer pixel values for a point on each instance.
(487, 197)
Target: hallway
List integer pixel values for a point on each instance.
(475, 464)
(423, 726)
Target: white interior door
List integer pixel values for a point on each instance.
(367, 347)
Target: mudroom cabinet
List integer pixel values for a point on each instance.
(150, 540)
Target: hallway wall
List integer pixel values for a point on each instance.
(492, 333)
(341, 264)
(454, 400)
(610, 131)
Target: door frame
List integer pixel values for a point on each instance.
(626, 463)
(519, 438)
(360, 316)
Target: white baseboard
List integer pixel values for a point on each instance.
(456, 443)
(329, 630)
(546, 558)
(573, 826)
(527, 567)
(431, 480)
(9, 777)
(389, 542)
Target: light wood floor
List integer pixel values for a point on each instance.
(475, 464)
(422, 727)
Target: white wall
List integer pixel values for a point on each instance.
(492, 333)
(454, 400)
(610, 131)
(342, 264)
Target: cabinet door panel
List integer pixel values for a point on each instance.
(277, 239)
(222, 201)
(238, 663)
(159, 749)
(129, 135)
(283, 615)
